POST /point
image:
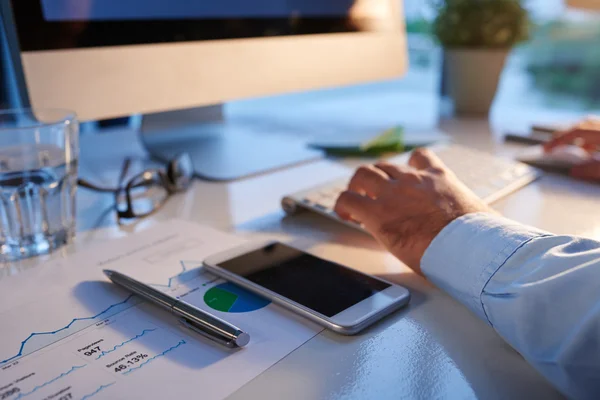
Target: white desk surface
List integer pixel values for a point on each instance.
(435, 348)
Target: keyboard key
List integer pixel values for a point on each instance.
(322, 208)
(498, 183)
(328, 202)
(313, 197)
(521, 170)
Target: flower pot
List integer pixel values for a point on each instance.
(472, 78)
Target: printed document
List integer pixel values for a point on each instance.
(68, 333)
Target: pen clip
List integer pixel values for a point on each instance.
(215, 337)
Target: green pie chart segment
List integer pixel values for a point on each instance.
(231, 298)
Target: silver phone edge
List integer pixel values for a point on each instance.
(305, 311)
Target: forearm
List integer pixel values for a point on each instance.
(539, 291)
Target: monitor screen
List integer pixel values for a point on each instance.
(69, 24)
(118, 10)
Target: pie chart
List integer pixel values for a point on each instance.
(231, 298)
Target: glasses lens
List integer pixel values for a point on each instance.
(181, 172)
(146, 192)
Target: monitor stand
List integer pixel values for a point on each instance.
(222, 149)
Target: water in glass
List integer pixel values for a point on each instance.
(38, 182)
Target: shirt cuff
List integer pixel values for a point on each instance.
(467, 253)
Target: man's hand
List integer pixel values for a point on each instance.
(405, 207)
(586, 135)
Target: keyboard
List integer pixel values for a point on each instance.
(489, 176)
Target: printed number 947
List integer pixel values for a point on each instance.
(92, 351)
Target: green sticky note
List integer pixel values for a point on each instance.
(389, 141)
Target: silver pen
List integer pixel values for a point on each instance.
(192, 317)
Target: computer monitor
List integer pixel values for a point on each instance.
(112, 58)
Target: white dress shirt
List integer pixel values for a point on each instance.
(540, 292)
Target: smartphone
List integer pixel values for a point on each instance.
(336, 297)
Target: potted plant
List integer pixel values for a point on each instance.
(477, 36)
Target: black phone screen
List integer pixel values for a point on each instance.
(323, 286)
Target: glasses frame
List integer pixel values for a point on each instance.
(145, 178)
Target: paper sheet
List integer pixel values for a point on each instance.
(67, 333)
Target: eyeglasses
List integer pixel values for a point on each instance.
(149, 190)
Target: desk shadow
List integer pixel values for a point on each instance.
(199, 356)
(106, 218)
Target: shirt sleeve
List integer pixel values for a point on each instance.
(540, 292)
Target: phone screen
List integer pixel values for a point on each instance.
(320, 285)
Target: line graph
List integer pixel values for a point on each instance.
(35, 389)
(184, 269)
(169, 284)
(74, 320)
(95, 392)
(136, 337)
(181, 342)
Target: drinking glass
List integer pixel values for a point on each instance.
(39, 152)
